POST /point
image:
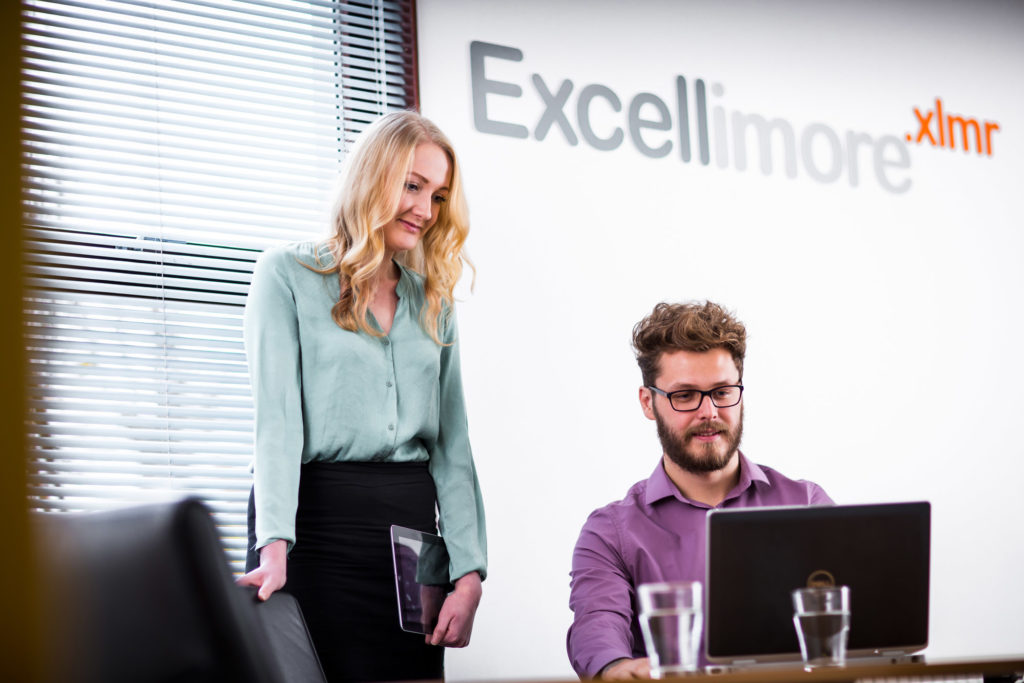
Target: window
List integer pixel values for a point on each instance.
(166, 144)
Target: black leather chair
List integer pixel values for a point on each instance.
(292, 646)
(144, 594)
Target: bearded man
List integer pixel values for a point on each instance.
(691, 360)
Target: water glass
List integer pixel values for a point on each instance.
(821, 617)
(671, 618)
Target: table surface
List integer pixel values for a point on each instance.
(989, 667)
(931, 671)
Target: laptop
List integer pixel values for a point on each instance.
(421, 577)
(757, 556)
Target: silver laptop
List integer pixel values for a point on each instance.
(757, 556)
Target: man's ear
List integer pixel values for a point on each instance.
(646, 402)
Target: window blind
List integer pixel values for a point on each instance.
(166, 144)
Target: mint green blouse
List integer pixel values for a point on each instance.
(326, 394)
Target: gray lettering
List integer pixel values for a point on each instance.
(807, 153)
(901, 161)
(553, 110)
(583, 117)
(719, 130)
(720, 135)
(742, 122)
(821, 150)
(702, 123)
(482, 86)
(684, 119)
(852, 160)
(636, 124)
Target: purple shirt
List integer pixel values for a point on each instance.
(653, 534)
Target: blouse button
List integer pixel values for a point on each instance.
(386, 342)
(388, 384)
(391, 428)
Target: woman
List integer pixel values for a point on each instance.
(360, 421)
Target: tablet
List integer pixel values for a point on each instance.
(421, 577)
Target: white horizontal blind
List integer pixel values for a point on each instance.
(166, 144)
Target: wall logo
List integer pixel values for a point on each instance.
(944, 132)
(821, 578)
(727, 138)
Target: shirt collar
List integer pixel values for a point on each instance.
(406, 285)
(659, 486)
(325, 259)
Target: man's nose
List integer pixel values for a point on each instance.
(707, 407)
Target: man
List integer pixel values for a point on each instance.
(691, 359)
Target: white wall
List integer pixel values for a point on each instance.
(884, 358)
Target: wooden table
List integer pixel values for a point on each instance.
(1002, 668)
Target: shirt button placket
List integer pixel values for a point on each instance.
(392, 395)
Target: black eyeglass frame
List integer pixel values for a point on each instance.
(670, 394)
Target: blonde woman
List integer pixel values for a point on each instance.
(353, 356)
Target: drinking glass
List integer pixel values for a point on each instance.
(671, 618)
(821, 617)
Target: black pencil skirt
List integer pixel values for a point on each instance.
(341, 570)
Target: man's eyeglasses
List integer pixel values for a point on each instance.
(688, 400)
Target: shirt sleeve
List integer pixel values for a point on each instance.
(271, 333)
(459, 500)
(601, 598)
(818, 496)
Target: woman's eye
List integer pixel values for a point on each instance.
(439, 199)
(412, 187)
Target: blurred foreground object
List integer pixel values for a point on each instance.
(145, 594)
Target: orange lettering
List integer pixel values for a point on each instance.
(945, 132)
(989, 127)
(924, 124)
(964, 125)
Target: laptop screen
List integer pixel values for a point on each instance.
(757, 556)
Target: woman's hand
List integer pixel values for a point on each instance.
(270, 576)
(455, 622)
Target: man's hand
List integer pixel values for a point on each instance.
(271, 574)
(627, 668)
(455, 622)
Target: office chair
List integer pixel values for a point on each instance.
(144, 594)
(289, 638)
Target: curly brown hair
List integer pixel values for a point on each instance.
(693, 326)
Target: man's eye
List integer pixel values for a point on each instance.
(725, 392)
(683, 396)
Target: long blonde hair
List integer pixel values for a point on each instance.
(373, 179)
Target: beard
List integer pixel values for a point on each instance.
(695, 457)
